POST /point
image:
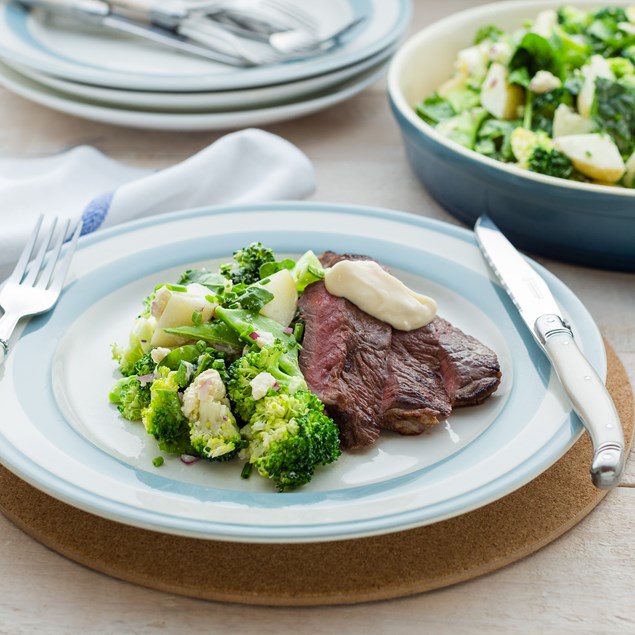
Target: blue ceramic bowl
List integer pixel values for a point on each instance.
(583, 223)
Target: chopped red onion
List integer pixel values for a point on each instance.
(144, 379)
(276, 386)
(253, 335)
(188, 459)
(288, 330)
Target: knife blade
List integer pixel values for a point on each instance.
(539, 310)
(98, 13)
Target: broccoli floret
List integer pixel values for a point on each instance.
(247, 262)
(131, 397)
(145, 365)
(213, 430)
(621, 66)
(278, 361)
(138, 345)
(163, 418)
(573, 20)
(289, 436)
(550, 162)
(287, 431)
(534, 151)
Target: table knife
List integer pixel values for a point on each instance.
(541, 313)
(99, 13)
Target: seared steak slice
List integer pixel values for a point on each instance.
(430, 371)
(414, 396)
(330, 258)
(470, 370)
(343, 359)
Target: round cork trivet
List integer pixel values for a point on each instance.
(342, 572)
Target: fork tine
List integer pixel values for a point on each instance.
(36, 263)
(62, 270)
(25, 256)
(54, 255)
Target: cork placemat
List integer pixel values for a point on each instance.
(343, 572)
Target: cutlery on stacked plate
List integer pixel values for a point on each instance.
(241, 33)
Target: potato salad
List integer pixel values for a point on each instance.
(556, 96)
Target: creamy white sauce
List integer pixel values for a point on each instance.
(380, 294)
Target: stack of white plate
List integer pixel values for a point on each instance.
(98, 75)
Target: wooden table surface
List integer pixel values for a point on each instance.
(582, 583)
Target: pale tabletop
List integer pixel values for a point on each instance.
(582, 583)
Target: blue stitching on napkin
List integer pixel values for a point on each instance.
(95, 212)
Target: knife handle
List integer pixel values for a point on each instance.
(589, 397)
(91, 11)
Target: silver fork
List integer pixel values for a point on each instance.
(35, 285)
(291, 10)
(299, 40)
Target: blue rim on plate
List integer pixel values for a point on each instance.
(41, 446)
(35, 54)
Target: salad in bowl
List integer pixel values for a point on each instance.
(555, 96)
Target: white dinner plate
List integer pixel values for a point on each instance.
(157, 120)
(59, 432)
(66, 49)
(250, 98)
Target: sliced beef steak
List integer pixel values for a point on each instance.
(343, 360)
(470, 370)
(371, 376)
(414, 396)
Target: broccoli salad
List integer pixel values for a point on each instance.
(211, 369)
(556, 96)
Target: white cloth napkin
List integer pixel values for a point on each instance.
(243, 167)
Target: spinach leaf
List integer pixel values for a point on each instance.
(254, 298)
(435, 109)
(536, 53)
(544, 107)
(488, 32)
(270, 268)
(574, 50)
(464, 127)
(494, 139)
(213, 281)
(614, 112)
(606, 37)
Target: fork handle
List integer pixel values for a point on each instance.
(8, 323)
